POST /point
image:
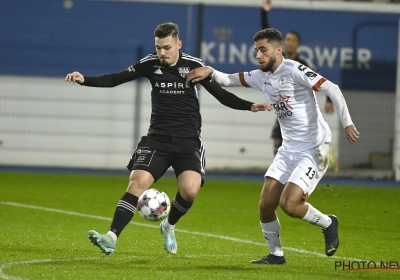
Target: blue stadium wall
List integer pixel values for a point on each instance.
(43, 38)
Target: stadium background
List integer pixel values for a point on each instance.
(46, 122)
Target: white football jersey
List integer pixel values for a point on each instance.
(291, 91)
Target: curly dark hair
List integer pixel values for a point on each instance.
(271, 34)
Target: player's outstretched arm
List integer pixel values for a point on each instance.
(352, 133)
(199, 74)
(266, 7)
(223, 79)
(230, 100)
(75, 77)
(105, 80)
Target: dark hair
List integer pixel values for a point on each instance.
(167, 29)
(295, 33)
(271, 34)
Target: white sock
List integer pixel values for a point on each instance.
(313, 216)
(168, 225)
(113, 236)
(271, 234)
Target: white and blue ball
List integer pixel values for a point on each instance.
(153, 205)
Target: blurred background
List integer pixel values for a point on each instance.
(48, 123)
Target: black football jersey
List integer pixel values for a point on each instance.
(175, 104)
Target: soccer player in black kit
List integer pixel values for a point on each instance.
(173, 137)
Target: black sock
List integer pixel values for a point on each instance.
(179, 208)
(124, 212)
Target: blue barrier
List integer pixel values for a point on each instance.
(354, 50)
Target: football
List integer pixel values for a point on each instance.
(153, 205)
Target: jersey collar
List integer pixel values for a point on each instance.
(277, 69)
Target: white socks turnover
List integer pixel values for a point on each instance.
(113, 236)
(313, 216)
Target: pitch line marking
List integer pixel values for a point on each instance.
(177, 230)
(9, 277)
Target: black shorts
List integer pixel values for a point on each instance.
(156, 154)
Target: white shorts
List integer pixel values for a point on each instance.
(304, 169)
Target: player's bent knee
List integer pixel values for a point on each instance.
(288, 207)
(189, 193)
(137, 186)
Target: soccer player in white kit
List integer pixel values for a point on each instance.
(302, 159)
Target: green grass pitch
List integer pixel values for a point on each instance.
(45, 218)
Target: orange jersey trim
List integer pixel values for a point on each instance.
(243, 80)
(318, 84)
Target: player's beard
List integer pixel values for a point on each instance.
(269, 65)
(164, 62)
